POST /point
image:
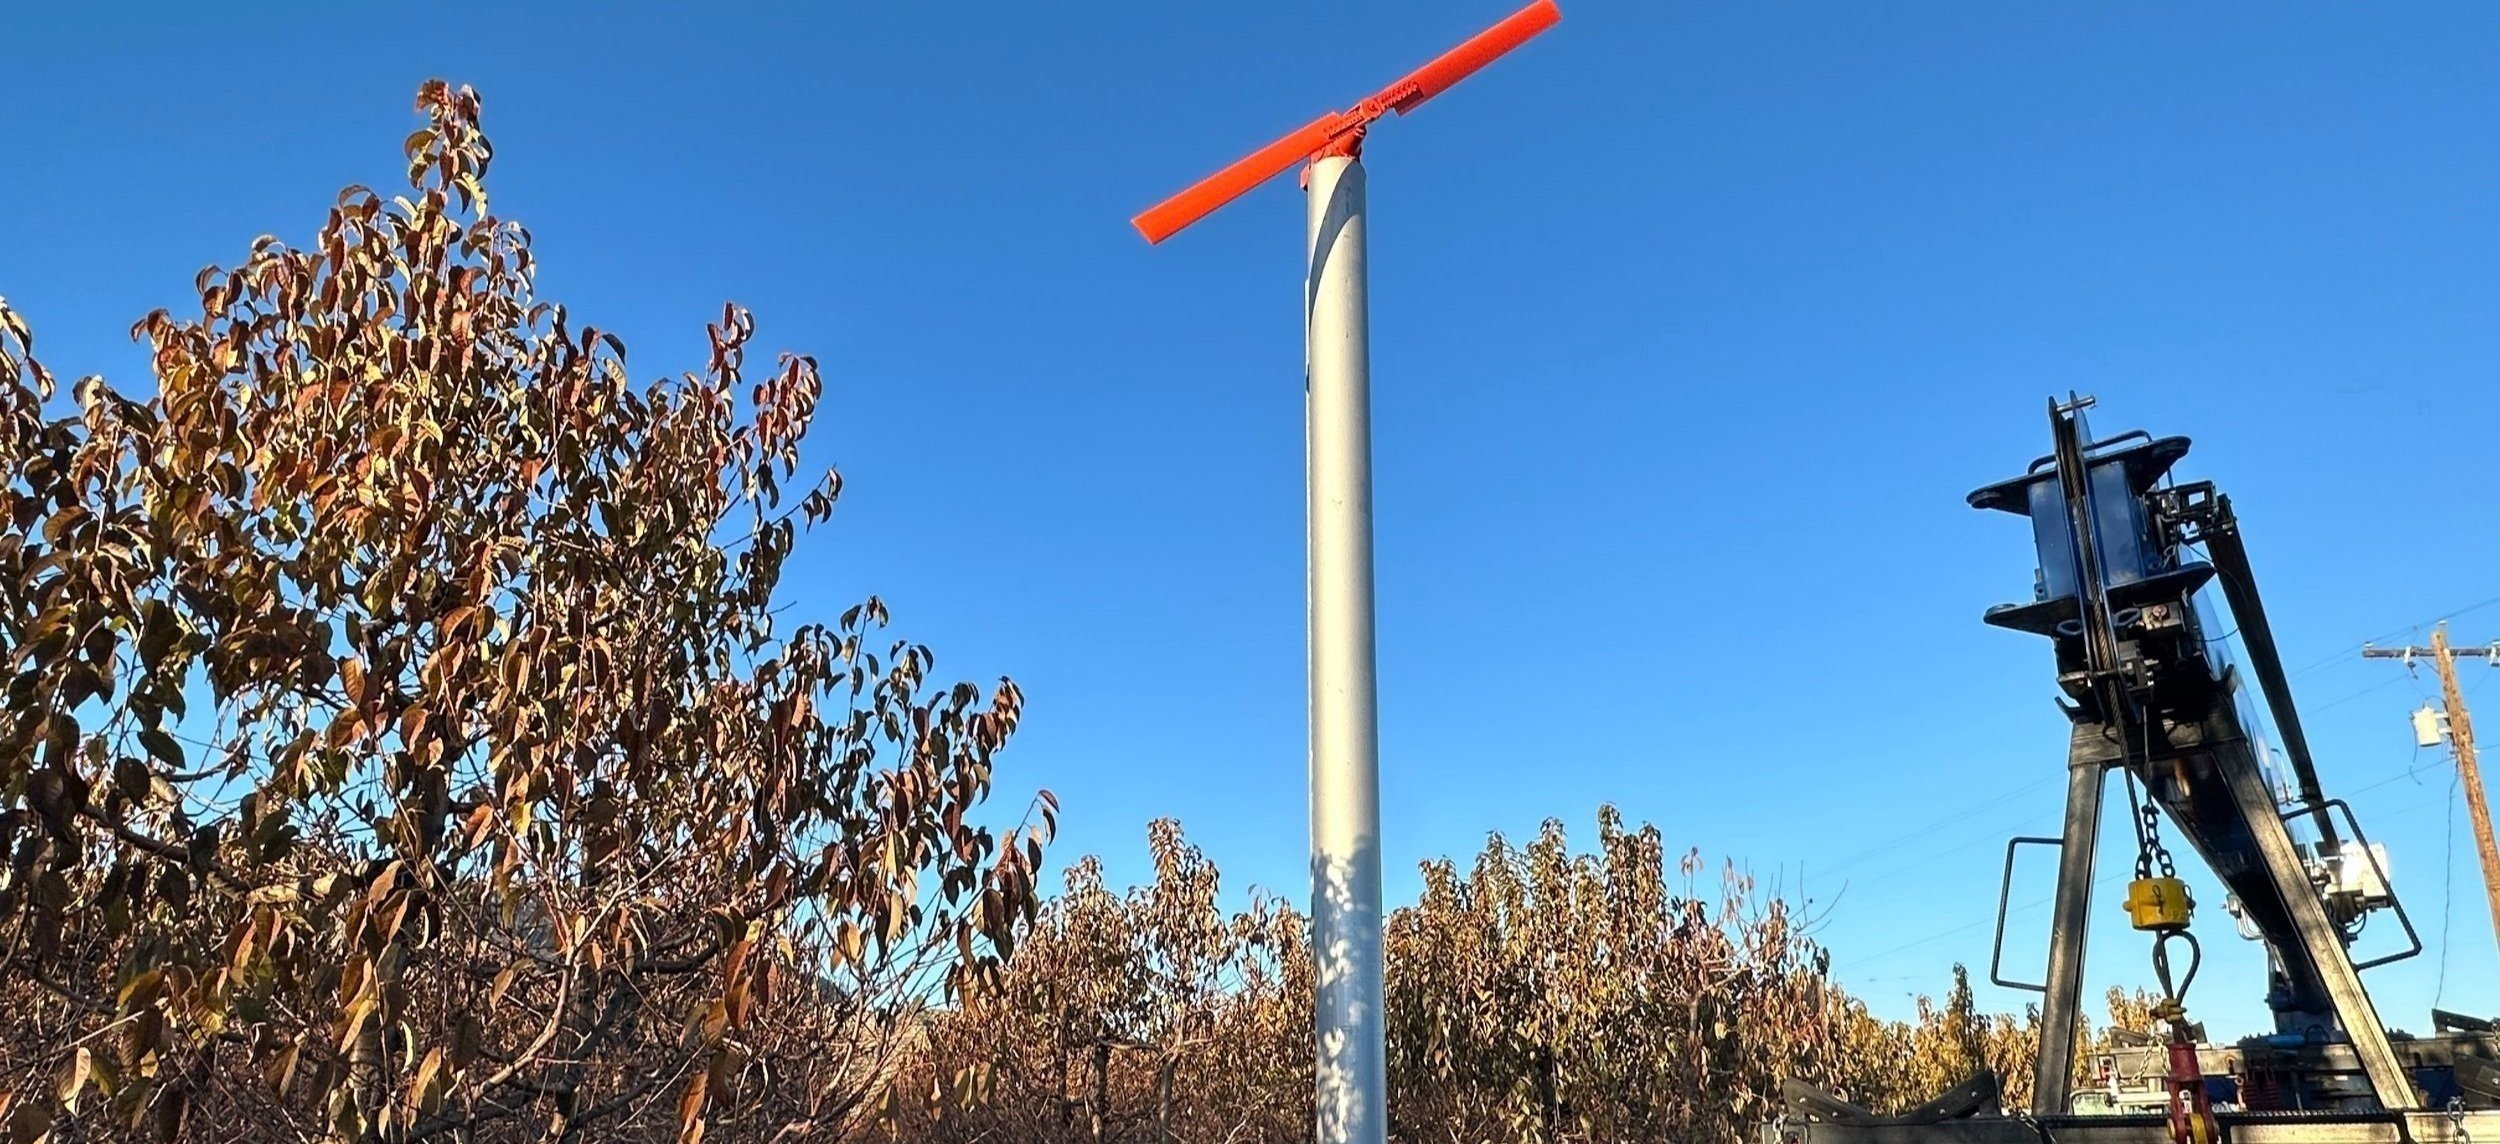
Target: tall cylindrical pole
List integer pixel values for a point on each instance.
(1345, 731)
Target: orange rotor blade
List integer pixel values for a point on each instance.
(1166, 218)
(1468, 58)
(1161, 220)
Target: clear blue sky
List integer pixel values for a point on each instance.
(1693, 324)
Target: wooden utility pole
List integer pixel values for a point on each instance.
(2461, 737)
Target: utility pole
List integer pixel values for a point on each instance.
(2461, 737)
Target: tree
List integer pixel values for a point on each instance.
(1553, 995)
(1540, 993)
(1149, 1015)
(399, 743)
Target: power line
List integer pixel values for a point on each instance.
(1940, 935)
(2418, 625)
(1996, 836)
(2027, 907)
(2410, 772)
(2413, 770)
(1892, 844)
(2447, 897)
(2389, 682)
(1896, 843)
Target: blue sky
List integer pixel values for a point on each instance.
(1693, 323)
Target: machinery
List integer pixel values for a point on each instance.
(2151, 693)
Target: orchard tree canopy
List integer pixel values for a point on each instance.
(400, 743)
(1541, 993)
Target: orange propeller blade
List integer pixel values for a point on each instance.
(1162, 219)
(1468, 58)
(1166, 218)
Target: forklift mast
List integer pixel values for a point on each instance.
(2151, 692)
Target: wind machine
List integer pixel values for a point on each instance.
(2151, 693)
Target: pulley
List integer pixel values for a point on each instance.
(2191, 1109)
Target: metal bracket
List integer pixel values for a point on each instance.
(2412, 939)
(2039, 464)
(2005, 888)
(2189, 511)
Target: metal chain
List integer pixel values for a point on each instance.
(2150, 854)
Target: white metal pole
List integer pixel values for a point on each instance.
(1345, 731)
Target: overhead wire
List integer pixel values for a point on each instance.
(2416, 626)
(2447, 896)
(2027, 907)
(1998, 835)
(2410, 772)
(2382, 685)
(1893, 844)
(1886, 954)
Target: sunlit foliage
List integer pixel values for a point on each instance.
(399, 743)
(1536, 994)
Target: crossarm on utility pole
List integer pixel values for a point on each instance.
(2491, 653)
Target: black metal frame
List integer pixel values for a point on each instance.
(2147, 696)
(2005, 889)
(2394, 901)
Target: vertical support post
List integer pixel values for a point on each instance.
(1352, 1052)
(2469, 771)
(2061, 1010)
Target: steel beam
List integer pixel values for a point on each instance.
(2088, 757)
